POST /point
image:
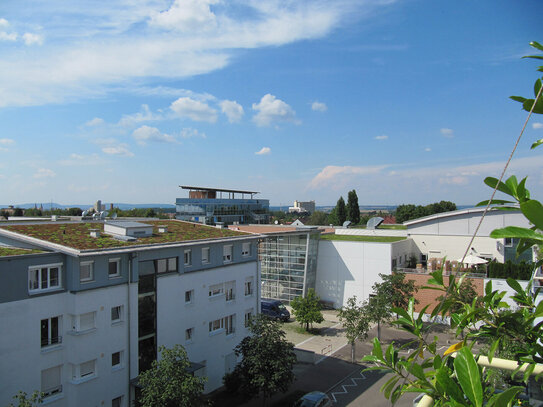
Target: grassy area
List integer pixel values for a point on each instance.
(12, 251)
(351, 238)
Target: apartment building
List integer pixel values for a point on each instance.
(84, 306)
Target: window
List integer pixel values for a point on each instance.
(189, 296)
(229, 322)
(116, 360)
(249, 286)
(248, 317)
(188, 257)
(508, 242)
(246, 249)
(50, 331)
(50, 381)
(84, 370)
(117, 402)
(42, 278)
(227, 253)
(188, 334)
(230, 290)
(216, 290)
(205, 255)
(86, 271)
(166, 265)
(216, 326)
(83, 322)
(114, 269)
(116, 314)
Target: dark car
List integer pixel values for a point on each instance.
(274, 309)
(314, 399)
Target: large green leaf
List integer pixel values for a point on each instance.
(537, 143)
(536, 45)
(517, 232)
(448, 385)
(492, 182)
(468, 376)
(533, 210)
(506, 398)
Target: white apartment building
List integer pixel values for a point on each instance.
(82, 315)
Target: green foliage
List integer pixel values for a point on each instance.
(168, 383)
(340, 211)
(409, 211)
(18, 212)
(21, 399)
(307, 309)
(318, 218)
(521, 271)
(267, 359)
(4, 214)
(465, 294)
(353, 210)
(356, 322)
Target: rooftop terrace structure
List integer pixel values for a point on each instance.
(208, 206)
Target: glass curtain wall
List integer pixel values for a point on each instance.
(285, 274)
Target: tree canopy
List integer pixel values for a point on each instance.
(341, 211)
(353, 210)
(307, 309)
(407, 212)
(356, 322)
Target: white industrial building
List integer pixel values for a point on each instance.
(82, 316)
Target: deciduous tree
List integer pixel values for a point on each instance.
(307, 309)
(21, 399)
(355, 321)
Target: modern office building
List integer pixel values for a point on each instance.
(302, 207)
(84, 306)
(228, 206)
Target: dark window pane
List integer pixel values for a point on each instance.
(44, 332)
(146, 353)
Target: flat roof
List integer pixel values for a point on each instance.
(217, 189)
(75, 236)
(17, 251)
(128, 224)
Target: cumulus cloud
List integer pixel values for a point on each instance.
(145, 115)
(186, 15)
(32, 39)
(537, 125)
(120, 149)
(319, 107)
(6, 141)
(264, 151)
(334, 176)
(95, 122)
(3, 22)
(5, 36)
(382, 137)
(272, 110)
(192, 133)
(44, 173)
(449, 133)
(145, 134)
(427, 149)
(233, 110)
(185, 107)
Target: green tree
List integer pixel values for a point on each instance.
(150, 213)
(21, 399)
(353, 210)
(458, 380)
(168, 383)
(18, 212)
(355, 321)
(318, 218)
(307, 309)
(267, 359)
(341, 211)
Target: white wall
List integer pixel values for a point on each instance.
(454, 247)
(371, 232)
(345, 269)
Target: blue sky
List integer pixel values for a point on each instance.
(404, 101)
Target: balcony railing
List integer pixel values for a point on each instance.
(52, 391)
(51, 341)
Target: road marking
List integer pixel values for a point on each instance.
(344, 387)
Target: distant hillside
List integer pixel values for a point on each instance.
(123, 206)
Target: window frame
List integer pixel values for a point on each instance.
(52, 391)
(90, 264)
(227, 257)
(216, 290)
(117, 320)
(216, 326)
(249, 283)
(50, 337)
(230, 290)
(191, 297)
(245, 249)
(187, 258)
(189, 335)
(117, 261)
(508, 242)
(207, 258)
(118, 365)
(230, 324)
(38, 269)
(247, 318)
(92, 372)
(76, 323)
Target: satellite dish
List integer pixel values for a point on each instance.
(84, 213)
(347, 223)
(114, 216)
(374, 222)
(103, 214)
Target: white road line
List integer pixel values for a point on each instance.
(345, 386)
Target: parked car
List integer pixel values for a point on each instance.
(314, 399)
(274, 309)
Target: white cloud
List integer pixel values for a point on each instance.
(272, 110)
(4, 22)
(44, 173)
(319, 107)
(6, 141)
(145, 115)
(382, 137)
(449, 133)
(120, 149)
(144, 134)
(336, 176)
(92, 51)
(233, 110)
(32, 39)
(537, 125)
(5, 36)
(427, 149)
(192, 133)
(264, 151)
(194, 110)
(81, 160)
(95, 122)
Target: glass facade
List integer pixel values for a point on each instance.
(210, 211)
(288, 265)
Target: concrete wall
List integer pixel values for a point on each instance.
(371, 232)
(345, 269)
